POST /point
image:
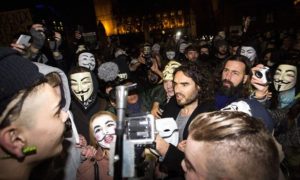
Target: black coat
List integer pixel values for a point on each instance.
(173, 157)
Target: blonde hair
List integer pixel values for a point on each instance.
(239, 145)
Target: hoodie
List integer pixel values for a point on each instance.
(73, 159)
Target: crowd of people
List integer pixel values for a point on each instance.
(230, 103)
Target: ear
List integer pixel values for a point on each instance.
(12, 140)
(245, 78)
(199, 88)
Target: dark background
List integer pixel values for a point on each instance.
(229, 12)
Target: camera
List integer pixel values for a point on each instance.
(147, 55)
(139, 133)
(49, 33)
(140, 129)
(263, 74)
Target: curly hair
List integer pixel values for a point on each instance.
(201, 76)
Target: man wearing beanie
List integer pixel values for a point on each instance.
(31, 121)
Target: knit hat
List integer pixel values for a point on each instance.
(169, 70)
(16, 73)
(219, 43)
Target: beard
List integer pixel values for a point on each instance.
(186, 101)
(231, 90)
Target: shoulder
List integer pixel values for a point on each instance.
(206, 106)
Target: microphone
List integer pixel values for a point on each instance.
(108, 71)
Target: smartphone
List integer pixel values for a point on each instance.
(23, 40)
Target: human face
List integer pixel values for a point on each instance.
(182, 47)
(192, 55)
(233, 50)
(285, 77)
(185, 89)
(249, 52)
(222, 50)
(82, 85)
(204, 50)
(233, 74)
(194, 164)
(170, 55)
(132, 99)
(87, 60)
(104, 130)
(45, 111)
(168, 86)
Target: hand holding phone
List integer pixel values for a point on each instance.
(23, 40)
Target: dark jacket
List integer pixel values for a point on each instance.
(173, 157)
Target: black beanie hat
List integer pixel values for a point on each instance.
(16, 73)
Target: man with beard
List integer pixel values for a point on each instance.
(235, 81)
(192, 94)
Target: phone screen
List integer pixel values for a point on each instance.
(24, 40)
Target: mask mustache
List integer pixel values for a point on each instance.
(105, 136)
(282, 82)
(88, 64)
(82, 91)
(176, 130)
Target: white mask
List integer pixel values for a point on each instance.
(104, 130)
(119, 52)
(285, 77)
(241, 106)
(170, 55)
(167, 129)
(87, 60)
(156, 48)
(222, 34)
(82, 85)
(249, 52)
(182, 47)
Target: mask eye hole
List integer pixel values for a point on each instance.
(166, 130)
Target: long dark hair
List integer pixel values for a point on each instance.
(201, 76)
(239, 58)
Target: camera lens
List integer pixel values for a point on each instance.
(258, 74)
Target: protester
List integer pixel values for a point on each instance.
(32, 119)
(192, 96)
(229, 145)
(102, 131)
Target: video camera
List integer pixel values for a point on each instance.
(133, 135)
(138, 135)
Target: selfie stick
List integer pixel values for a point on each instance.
(121, 98)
